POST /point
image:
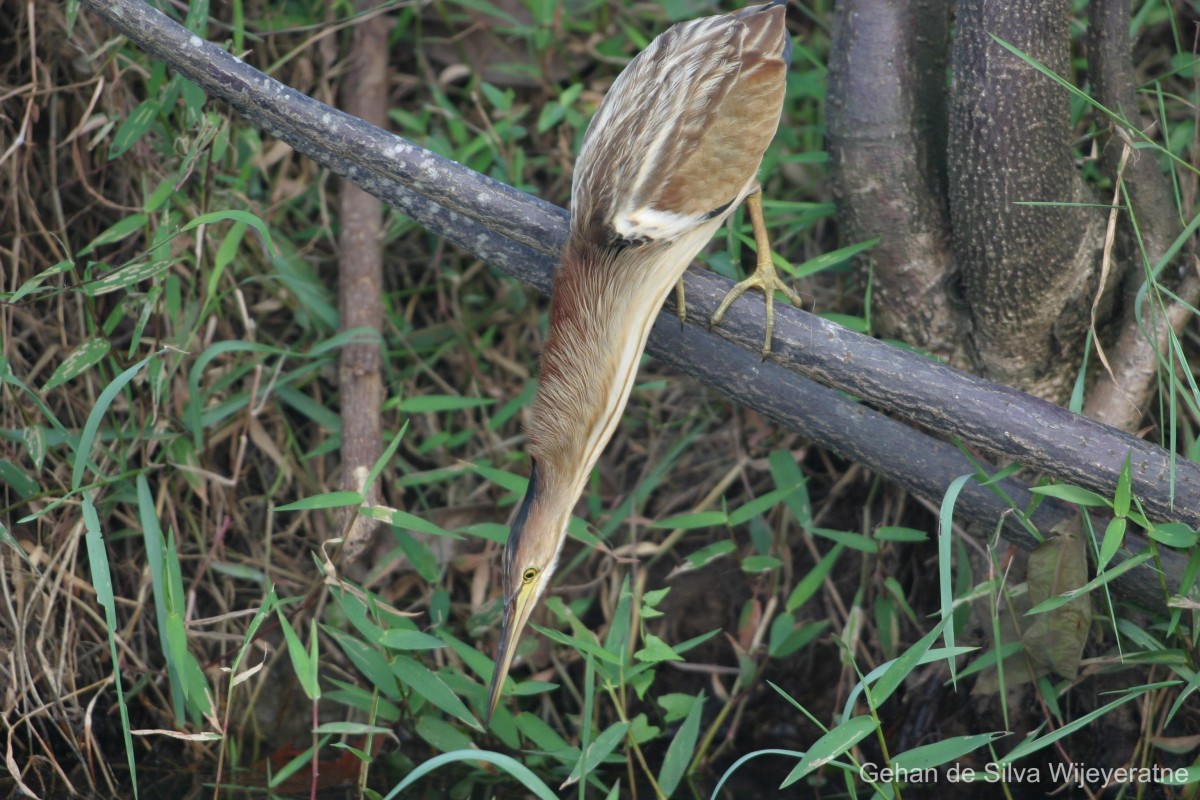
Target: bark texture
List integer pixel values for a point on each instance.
(360, 286)
(887, 144)
(1029, 271)
(966, 267)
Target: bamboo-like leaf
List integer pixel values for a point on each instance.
(339, 499)
(1124, 489)
(442, 402)
(34, 437)
(1102, 579)
(807, 586)
(418, 678)
(759, 505)
(360, 728)
(133, 127)
(114, 233)
(441, 735)
(709, 553)
(830, 746)
(369, 661)
(597, 751)
(102, 583)
(945, 539)
(757, 564)
(900, 668)
(82, 358)
(304, 667)
(786, 473)
(687, 522)
(679, 752)
(832, 258)
(1073, 494)
(402, 639)
(1114, 537)
(893, 533)
(943, 752)
(235, 215)
(546, 738)
(505, 480)
(33, 284)
(126, 276)
(1173, 534)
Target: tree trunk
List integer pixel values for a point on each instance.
(887, 145)
(1029, 271)
(991, 246)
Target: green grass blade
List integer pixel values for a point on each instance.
(929, 657)
(236, 216)
(1030, 746)
(716, 792)
(598, 750)
(510, 765)
(304, 666)
(420, 679)
(679, 752)
(88, 437)
(830, 746)
(152, 540)
(82, 358)
(900, 668)
(102, 582)
(945, 546)
(943, 752)
(1100, 580)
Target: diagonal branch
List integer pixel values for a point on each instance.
(520, 235)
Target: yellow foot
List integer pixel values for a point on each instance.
(765, 279)
(680, 303)
(768, 282)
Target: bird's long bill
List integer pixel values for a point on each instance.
(516, 614)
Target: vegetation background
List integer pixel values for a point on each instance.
(175, 613)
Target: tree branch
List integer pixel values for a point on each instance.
(520, 234)
(360, 287)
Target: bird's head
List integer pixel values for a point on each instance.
(534, 542)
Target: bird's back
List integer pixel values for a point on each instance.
(681, 133)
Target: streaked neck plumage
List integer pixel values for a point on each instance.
(604, 303)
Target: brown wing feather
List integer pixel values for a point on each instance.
(683, 129)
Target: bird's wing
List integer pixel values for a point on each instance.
(681, 133)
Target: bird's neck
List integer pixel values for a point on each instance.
(603, 306)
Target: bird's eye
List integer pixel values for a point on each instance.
(529, 574)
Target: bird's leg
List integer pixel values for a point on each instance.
(764, 278)
(680, 302)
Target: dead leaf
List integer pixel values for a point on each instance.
(1056, 638)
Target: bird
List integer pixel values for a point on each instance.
(673, 149)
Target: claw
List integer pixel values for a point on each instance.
(765, 278)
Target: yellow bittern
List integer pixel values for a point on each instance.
(673, 149)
